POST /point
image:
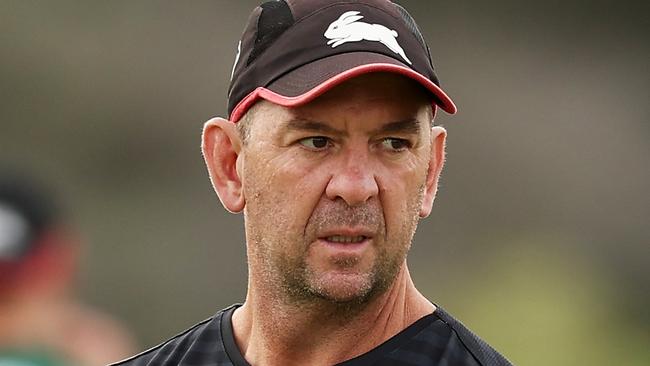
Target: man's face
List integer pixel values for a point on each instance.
(333, 189)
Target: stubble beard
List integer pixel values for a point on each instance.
(304, 286)
(299, 285)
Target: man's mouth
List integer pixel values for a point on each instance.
(344, 243)
(346, 239)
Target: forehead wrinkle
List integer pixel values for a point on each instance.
(407, 126)
(302, 124)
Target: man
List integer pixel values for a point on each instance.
(331, 154)
(42, 323)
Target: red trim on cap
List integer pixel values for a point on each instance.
(263, 93)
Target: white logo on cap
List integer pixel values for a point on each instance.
(347, 29)
(13, 228)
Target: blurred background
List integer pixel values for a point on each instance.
(539, 238)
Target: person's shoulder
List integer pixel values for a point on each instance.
(174, 348)
(479, 349)
(192, 346)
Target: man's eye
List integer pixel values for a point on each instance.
(395, 144)
(315, 143)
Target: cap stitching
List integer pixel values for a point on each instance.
(343, 3)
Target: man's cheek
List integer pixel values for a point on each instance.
(397, 199)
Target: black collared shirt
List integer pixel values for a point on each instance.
(434, 340)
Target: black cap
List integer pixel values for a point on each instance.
(292, 51)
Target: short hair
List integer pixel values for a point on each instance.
(244, 124)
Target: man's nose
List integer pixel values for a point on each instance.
(353, 179)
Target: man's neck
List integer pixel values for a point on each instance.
(270, 332)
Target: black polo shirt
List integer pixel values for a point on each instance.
(436, 339)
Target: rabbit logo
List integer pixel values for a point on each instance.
(347, 28)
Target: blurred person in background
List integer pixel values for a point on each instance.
(41, 321)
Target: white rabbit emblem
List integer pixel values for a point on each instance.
(347, 28)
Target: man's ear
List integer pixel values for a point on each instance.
(221, 146)
(436, 162)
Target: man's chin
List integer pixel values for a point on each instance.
(343, 287)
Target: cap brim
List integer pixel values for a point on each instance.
(304, 84)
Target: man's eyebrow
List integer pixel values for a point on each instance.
(312, 126)
(407, 126)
